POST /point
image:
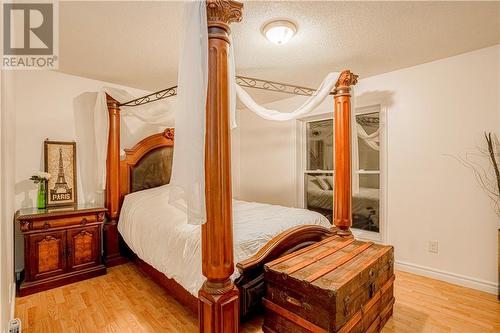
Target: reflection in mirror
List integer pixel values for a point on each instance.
(318, 178)
(366, 182)
(319, 193)
(319, 145)
(319, 163)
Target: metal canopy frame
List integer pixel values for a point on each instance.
(242, 81)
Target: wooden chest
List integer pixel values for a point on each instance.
(337, 285)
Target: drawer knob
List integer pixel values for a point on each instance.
(83, 221)
(293, 301)
(46, 225)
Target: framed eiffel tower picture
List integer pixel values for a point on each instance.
(60, 162)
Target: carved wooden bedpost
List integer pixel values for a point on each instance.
(342, 203)
(112, 255)
(218, 298)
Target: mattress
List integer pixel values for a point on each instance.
(159, 234)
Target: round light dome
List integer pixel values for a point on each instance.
(279, 31)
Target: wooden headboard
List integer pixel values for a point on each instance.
(148, 164)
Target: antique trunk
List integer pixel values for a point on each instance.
(337, 285)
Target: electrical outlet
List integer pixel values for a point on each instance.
(433, 246)
(15, 326)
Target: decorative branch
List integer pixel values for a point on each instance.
(487, 178)
(491, 150)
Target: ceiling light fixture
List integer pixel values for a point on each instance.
(279, 31)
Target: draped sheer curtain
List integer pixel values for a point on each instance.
(92, 127)
(372, 140)
(188, 170)
(187, 114)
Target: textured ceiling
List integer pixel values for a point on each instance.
(136, 43)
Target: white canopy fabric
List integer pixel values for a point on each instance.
(372, 140)
(188, 170)
(188, 115)
(309, 105)
(92, 127)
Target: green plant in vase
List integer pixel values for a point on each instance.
(41, 179)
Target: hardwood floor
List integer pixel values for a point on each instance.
(125, 300)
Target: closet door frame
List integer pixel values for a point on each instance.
(301, 154)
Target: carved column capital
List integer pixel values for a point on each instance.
(345, 81)
(223, 12)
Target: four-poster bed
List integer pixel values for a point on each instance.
(219, 299)
(148, 222)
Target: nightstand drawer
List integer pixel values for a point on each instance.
(62, 222)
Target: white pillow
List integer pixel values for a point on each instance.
(329, 180)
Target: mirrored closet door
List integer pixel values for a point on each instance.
(367, 164)
(366, 182)
(318, 175)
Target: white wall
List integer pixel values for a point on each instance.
(267, 157)
(43, 105)
(7, 152)
(434, 110)
(437, 109)
(268, 154)
(44, 109)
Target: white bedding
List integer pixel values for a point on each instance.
(159, 234)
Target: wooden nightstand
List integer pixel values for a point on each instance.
(61, 245)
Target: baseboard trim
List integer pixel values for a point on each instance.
(461, 280)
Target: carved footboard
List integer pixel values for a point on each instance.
(251, 281)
